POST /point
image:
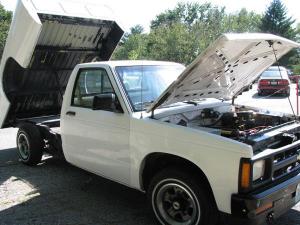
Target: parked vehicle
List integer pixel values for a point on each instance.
(157, 127)
(274, 81)
(293, 77)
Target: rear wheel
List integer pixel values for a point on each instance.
(29, 144)
(177, 198)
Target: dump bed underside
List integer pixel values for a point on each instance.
(63, 43)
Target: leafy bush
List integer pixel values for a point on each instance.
(296, 69)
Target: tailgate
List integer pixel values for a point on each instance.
(45, 42)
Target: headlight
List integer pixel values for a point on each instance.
(259, 169)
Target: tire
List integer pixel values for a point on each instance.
(178, 198)
(29, 144)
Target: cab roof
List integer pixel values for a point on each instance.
(116, 63)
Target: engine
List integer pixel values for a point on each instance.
(241, 124)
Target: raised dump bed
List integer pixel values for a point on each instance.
(45, 42)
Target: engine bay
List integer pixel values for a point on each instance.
(259, 129)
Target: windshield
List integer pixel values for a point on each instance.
(144, 84)
(274, 73)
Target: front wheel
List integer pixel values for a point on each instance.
(179, 199)
(29, 144)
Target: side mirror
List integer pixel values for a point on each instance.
(105, 102)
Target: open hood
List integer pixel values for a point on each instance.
(232, 62)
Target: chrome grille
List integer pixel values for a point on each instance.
(285, 162)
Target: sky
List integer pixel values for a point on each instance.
(132, 12)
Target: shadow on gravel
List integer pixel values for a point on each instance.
(56, 193)
(8, 157)
(290, 218)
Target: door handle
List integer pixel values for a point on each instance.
(71, 113)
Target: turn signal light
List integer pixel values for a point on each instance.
(245, 175)
(264, 82)
(283, 82)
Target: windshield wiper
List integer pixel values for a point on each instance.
(146, 104)
(143, 104)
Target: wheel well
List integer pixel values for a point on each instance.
(53, 139)
(156, 162)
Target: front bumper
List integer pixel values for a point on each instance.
(282, 197)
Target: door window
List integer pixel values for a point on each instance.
(89, 84)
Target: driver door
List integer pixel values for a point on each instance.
(97, 140)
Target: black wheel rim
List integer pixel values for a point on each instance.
(23, 146)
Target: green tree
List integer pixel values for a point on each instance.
(185, 13)
(298, 32)
(243, 21)
(276, 21)
(137, 29)
(5, 20)
(294, 59)
(133, 45)
(182, 33)
(172, 43)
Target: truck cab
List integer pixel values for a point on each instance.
(96, 98)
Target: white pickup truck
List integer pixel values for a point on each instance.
(170, 131)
